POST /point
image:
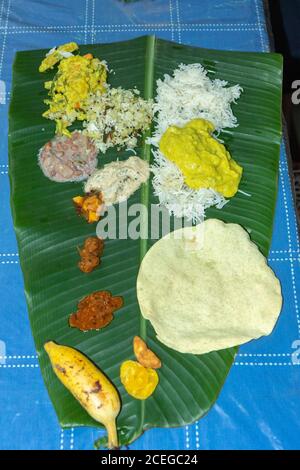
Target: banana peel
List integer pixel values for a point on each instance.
(94, 391)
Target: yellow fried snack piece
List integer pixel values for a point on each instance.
(57, 54)
(202, 159)
(139, 381)
(144, 355)
(94, 391)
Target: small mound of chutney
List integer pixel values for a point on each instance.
(95, 311)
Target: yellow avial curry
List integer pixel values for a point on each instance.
(77, 76)
(204, 161)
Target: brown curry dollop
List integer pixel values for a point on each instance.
(95, 311)
(90, 254)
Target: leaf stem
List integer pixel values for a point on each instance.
(145, 190)
(146, 154)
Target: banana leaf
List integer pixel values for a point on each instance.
(48, 230)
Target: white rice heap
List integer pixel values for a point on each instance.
(187, 95)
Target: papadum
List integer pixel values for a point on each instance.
(207, 288)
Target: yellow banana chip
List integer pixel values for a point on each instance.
(144, 355)
(139, 381)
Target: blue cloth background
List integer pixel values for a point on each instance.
(259, 405)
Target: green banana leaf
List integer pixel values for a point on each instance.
(48, 230)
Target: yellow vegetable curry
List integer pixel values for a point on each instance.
(76, 78)
(204, 162)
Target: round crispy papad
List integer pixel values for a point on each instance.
(208, 287)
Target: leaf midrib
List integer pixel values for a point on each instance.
(146, 154)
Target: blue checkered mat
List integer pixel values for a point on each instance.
(259, 405)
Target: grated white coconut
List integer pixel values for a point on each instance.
(176, 196)
(186, 95)
(117, 118)
(64, 54)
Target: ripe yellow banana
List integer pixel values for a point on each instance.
(88, 385)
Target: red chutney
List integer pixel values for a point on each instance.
(95, 311)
